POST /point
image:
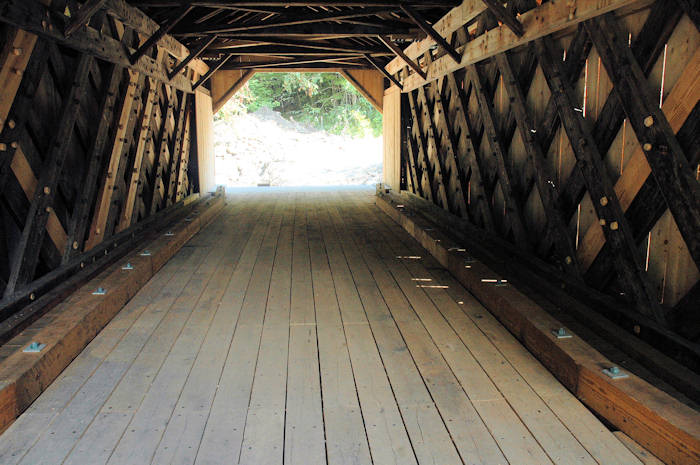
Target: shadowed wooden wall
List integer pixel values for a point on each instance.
(580, 147)
(90, 143)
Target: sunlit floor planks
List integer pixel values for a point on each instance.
(305, 327)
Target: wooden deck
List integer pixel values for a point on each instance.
(305, 327)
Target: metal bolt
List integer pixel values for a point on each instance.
(603, 201)
(75, 245)
(32, 296)
(17, 51)
(568, 260)
(646, 147)
(11, 123)
(649, 121)
(602, 221)
(614, 225)
(561, 333)
(614, 372)
(47, 190)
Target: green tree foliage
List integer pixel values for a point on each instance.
(324, 101)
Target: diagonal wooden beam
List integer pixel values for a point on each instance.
(505, 175)
(441, 119)
(505, 16)
(80, 219)
(427, 182)
(386, 40)
(603, 196)
(160, 151)
(431, 32)
(469, 154)
(116, 146)
(669, 165)
(647, 47)
(212, 70)
(546, 187)
(160, 33)
(195, 54)
(27, 251)
(381, 69)
(433, 154)
(134, 175)
(170, 181)
(83, 15)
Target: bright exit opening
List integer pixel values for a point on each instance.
(298, 129)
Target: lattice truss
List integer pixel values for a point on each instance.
(581, 148)
(88, 148)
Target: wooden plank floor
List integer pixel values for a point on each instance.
(305, 327)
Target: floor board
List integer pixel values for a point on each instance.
(294, 330)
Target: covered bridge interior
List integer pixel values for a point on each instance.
(523, 287)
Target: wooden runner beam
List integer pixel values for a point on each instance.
(664, 425)
(669, 165)
(603, 196)
(546, 187)
(505, 175)
(27, 252)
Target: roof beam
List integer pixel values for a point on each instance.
(333, 30)
(195, 54)
(431, 32)
(233, 4)
(381, 69)
(293, 21)
(399, 53)
(160, 33)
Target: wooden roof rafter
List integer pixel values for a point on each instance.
(283, 29)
